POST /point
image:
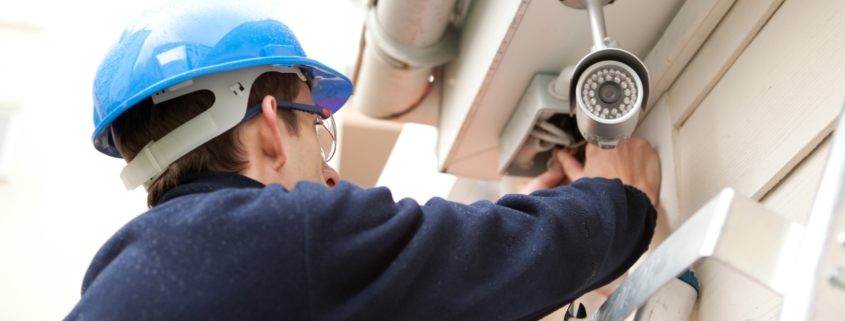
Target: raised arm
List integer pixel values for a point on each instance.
(522, 257)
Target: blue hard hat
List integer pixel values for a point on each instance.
(183, 40)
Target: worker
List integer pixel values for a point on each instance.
(229, 126)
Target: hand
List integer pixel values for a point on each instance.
(634, 162)
(552, 178)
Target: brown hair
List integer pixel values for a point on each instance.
(147, 122)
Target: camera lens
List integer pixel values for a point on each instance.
(609, 92)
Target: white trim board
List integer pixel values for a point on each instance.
(658, 130)
(683, 37)
(718, 53)
(487, 23)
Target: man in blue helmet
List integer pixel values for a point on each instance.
(228, 125)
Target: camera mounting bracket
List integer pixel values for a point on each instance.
(596, 14)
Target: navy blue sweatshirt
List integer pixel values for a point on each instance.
(221, 246)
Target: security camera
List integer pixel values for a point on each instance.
(609, 87)
(608, 90)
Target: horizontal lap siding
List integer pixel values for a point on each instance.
(770, 109)
(715, 56)
(764, 110)
(728, 295)
(794, 195)
(752, 111)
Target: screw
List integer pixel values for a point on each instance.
(837, 278)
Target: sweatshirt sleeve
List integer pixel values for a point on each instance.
(520, 258)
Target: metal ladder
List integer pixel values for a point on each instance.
(805, 264)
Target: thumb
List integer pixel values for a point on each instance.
(571, 166)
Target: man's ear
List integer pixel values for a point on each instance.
(271, 137)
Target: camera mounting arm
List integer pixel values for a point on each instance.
(597, 26)
(609, 86)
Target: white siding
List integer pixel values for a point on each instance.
(752, 111)
(770, 109)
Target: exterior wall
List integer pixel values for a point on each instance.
(751, 111)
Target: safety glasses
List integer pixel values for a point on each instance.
(324, 124)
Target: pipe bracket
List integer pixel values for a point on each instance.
(414, 57)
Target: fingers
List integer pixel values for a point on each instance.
(553, 176)
(644, 172)
(572, 168)
(634, 162)
(549, 179)
(653, 174)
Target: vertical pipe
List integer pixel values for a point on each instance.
(419, 23)
(385, 86)
(384, 89)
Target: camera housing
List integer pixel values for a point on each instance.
(539, 123)
(608, 89)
